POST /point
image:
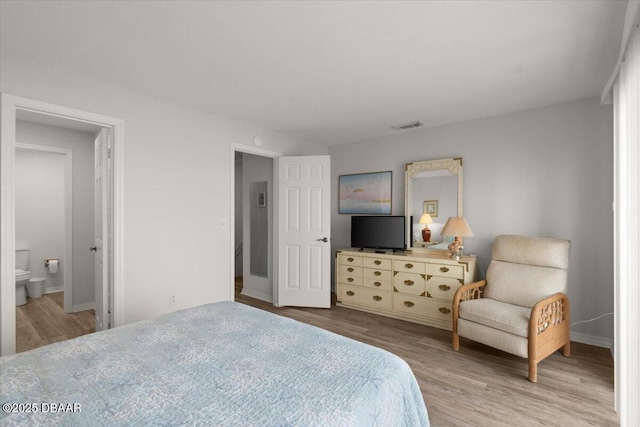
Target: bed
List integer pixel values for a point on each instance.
(217, 364)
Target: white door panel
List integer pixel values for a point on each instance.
(304, 255)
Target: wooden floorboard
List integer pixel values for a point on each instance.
(478, 385)
(43, 321)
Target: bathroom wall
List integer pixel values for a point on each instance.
(40, 211)
(82, 146)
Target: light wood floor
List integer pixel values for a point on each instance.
(478, 385)
(43, 321)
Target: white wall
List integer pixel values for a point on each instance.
(177, 184)
(40, 200)
(82, 146)
(256, 169)
(542, 172)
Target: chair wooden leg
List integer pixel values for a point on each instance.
(456, 341)
(533, 371)
(566, 349)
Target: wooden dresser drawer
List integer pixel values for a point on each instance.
(409, 283)
(378, 284)
(442, 287)
(365, 296)
(351, 280)
(348, 270)
(409, 266)
(371, 273)
(421, 306)
(345, 259)
(383, 264)
(445, 270)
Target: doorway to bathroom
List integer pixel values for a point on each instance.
(55, 226)
(92, 242)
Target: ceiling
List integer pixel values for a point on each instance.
(328, 71)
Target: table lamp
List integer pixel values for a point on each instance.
(426, 232)
(457, 226)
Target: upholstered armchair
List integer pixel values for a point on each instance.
(521, 308)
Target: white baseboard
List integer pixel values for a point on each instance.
(592, 340)
(53, 289)
(83, 307)
(257, 295)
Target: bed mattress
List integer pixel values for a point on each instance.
(217, 364)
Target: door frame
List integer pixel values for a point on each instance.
(68, 215)
(10, 104)
(274, 200)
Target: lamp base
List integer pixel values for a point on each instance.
(426, 234)
(456, 248)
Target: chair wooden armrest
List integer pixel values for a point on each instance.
(549, 329)
(469, 291)
(466, 292)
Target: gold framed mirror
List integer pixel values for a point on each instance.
(433, 187)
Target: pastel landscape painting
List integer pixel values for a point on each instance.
(365, 193)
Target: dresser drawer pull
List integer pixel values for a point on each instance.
(408, 265)
(350, 259)
(444, 287)
(444, 269)
(351, 293)
(377, 298)
(350, 269)
(377, 273)
(409, 304)
(350, 279)
(408, 282)
(377, 284)
(444, 310)
(377, 262)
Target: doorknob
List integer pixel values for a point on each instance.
(93, 249)
(324, 239)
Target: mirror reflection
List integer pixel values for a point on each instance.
(434, 188)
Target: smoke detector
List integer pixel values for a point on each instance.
(405, 126)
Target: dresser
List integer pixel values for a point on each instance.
(413, 286)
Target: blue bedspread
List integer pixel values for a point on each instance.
(218, 364)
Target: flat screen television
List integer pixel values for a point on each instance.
(378, 232)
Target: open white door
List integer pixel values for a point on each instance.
(101, 248)
(304, 229)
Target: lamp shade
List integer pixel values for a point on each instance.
(457, 226)
(426, 219)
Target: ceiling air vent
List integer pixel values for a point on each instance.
(409, 125)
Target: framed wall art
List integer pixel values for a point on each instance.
(430, 207)
(365, 193)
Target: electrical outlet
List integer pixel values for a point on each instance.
(172, 300)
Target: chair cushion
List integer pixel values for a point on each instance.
(538, 251)
(501, 340)
(522, 284)
(510, 318)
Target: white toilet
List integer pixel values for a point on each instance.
(22, 275)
